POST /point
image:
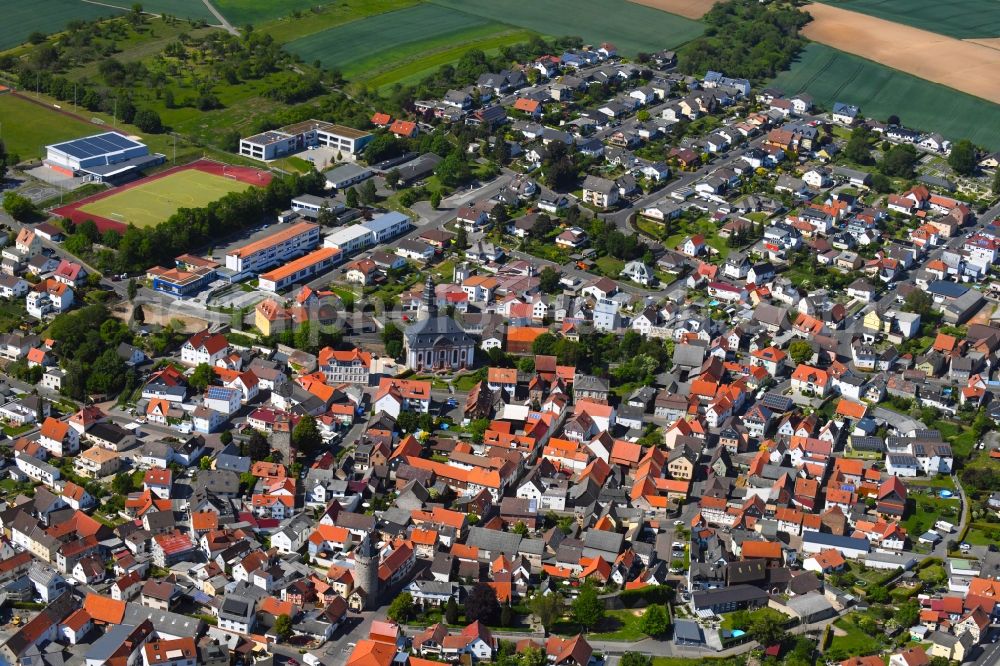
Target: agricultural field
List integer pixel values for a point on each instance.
(20, 19)
(319, 17)
(969, 67)
(631, 27)
(147, 204)
(28, 127)
(830, 75)
(975, 18)
(374, 43)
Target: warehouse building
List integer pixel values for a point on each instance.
(300, 269)
(109, 156)
(295, 138)
(277, 248)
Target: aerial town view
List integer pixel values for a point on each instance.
(497, 332)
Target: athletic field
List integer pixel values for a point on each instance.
(152, 200)
(832, 76)
(147, 204)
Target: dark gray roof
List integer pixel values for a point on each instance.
(494, 541)
(603, 540)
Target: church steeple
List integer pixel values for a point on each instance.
(429, 304)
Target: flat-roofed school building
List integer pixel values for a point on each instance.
(300, 269)
(295, 138)
(277, 248)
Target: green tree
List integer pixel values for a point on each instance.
(766, 626)
(588, 609)
(482, 604)
(635, 659)
(326, 217)
(908, 614)
(148, 120)
(305, 436)
(506, 615)
(392, 178)
(451, 611)
(133, 289)
(369, 195)
(877, 594)
(201, 377)
(121, 484)
(963, 158)
(549, 280)
(919, 302)
(857, 148)
(800, 351)
(899, 161)
(257, 447)
(654, 621)
(283, 627)
(226, 437)
(996, 182)
(205, 463)
(3, 160)
(548, 608)
(477, 429)
(436, 199)
(520, 528)
(401, 608)
(17, 206)
(351, 198)
(532, 656)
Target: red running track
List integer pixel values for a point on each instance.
(72, 211)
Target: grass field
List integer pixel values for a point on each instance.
(975, 18)
(187, 9)
(148, 204)
(390, 38)
(417, 65)
(631, 27)
(28, 127)
(255, 12)
(830, 75)
(20, 19)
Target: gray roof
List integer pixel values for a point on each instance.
(105, 646)
(689, 356)
(494, 541)
(603, 540)
(164, 622)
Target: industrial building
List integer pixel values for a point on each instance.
(109, 156)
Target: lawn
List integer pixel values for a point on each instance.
(832, 76)
(20, 19)
(927, 510)
(29, 127)
(391, 38)
(150, 203)
(631, 27)
(855, 642)
(610, 267)
(974, 18)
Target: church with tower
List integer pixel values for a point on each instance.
(437, 342)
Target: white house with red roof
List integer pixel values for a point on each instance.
(70, 273)
(204, 347)
(58, 438)
(158, 481)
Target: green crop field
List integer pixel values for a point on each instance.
(20, 19)
(832, 76)
(148, 204)
(631, 27)
(255, 12)
(288, 28)
(28, 127)
(975, 18)
(374, 42)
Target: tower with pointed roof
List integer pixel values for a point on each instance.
(436, 341)
(366, 572)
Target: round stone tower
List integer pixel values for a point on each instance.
(366, 571)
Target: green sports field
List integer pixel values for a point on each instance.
(832, 76)
(965, 20)
(20, 19)
(631, 27)
(28, 127)
(148, 204)
(371, 43)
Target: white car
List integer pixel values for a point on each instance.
(678, 523)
